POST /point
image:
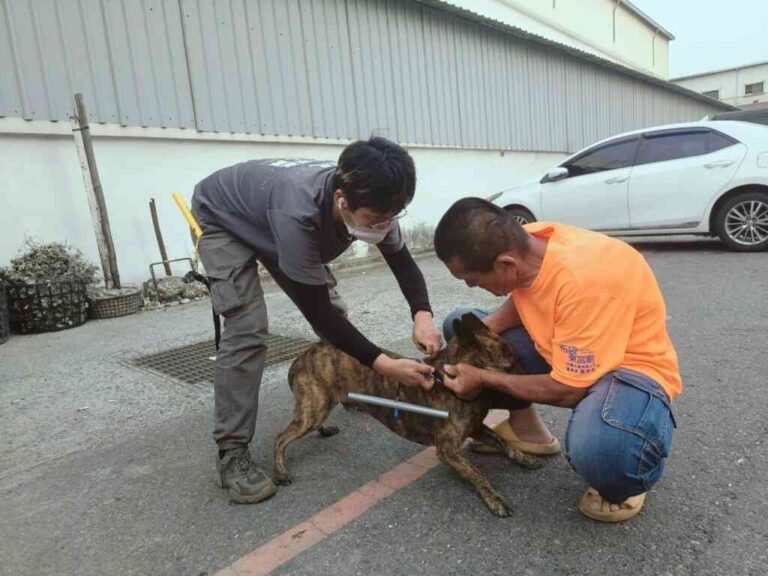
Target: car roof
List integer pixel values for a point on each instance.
(730, 127)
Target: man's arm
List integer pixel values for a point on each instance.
(315, 303)
(414, 288)
(504, 318)
(536, 388)
(468, 382)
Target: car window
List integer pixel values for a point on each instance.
(607, 157)
(719, 141)
(672, 146)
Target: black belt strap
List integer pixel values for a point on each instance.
(216, 319)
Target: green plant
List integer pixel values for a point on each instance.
(53, 262)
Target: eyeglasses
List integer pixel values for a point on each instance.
(388, 222)
(383, 225)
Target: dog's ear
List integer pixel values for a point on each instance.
(464, 335)
(473, 323)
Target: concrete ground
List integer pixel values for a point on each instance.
(105, 469)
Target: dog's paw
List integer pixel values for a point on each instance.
(532, 462)
(282, 479)
(499, 507)
(326, 431)
(526, 460)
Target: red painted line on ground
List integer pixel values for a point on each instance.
(267, 557)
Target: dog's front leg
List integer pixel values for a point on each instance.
(490, 436)
(449, 452)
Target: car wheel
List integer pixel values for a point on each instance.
(742, 222)
(520, 214)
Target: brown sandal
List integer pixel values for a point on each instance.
(593, 505)
(504, 430)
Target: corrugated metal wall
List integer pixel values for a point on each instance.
(318, 68)
(125, 56)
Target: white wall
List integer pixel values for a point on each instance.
(43, 194)
(587, 25)
(731, 84)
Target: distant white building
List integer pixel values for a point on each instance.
(742, 86)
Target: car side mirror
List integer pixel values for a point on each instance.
(554, 174)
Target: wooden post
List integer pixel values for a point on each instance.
(95, 193)
(101, 243)
(159, 235)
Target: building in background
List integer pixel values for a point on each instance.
(743, 86)
(179, 88)
(616, 30)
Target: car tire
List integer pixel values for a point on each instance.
(742, 222)
(520, 214)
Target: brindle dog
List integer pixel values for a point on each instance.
(323, 375)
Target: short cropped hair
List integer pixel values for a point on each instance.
(475, 231)
(376, 174)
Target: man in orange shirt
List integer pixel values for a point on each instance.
(587, 318)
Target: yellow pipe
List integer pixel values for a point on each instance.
(188, 215)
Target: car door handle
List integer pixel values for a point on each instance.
(718, 164)
(616, 180)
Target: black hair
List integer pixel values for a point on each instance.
(475, 232)
(376, 174)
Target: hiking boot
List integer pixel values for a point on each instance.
(245, 481)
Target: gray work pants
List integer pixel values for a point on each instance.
(237, 295)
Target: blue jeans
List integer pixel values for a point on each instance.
(618, 435)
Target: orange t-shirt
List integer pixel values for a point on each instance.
(594, 307)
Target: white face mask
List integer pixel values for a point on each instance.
(368, 235)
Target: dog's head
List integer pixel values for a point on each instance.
(475, 344)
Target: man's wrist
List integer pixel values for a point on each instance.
(382, 363)
(494, 380)
(422, 316)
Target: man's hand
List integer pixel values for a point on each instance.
(406, 371)
(425, 336)
(464, 380)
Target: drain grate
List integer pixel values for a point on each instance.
(194, 363)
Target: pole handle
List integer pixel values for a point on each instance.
(187, 215)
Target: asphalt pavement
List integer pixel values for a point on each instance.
(106, 469)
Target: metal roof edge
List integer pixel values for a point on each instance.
(718, 71)
(575, 52)
(648, 20)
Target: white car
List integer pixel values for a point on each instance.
(704, 178)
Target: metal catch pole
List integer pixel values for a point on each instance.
(394, 404)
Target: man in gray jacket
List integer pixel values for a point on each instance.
(296, 216)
